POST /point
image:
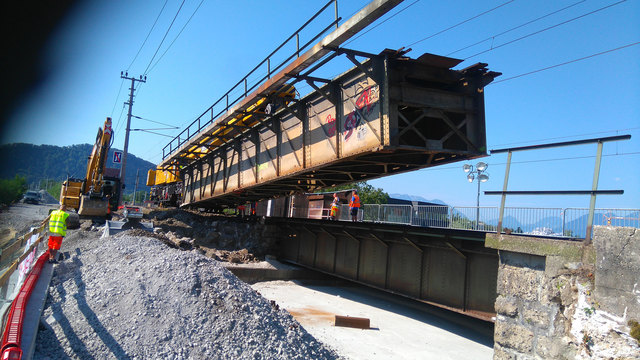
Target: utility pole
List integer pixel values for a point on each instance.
(135, 189)
(123, 169)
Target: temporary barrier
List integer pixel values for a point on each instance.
(20, 273)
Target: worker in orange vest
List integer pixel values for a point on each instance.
(354, 205)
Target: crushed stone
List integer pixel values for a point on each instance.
(132, 297)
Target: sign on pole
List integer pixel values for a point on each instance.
(117, 157)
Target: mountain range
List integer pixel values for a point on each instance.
(39, 162)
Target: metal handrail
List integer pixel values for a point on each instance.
(181, 139)
(550, 222)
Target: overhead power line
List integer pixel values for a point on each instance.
(517, 27)
(117, 97)
(384, 21)
(176, 38)
(146, 38)
(153, 121)
(545, 29)
(164, 37)
(460, 23)
(565, 63)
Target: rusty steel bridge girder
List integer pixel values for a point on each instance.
(387, 115)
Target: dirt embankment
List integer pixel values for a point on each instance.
(227, 239)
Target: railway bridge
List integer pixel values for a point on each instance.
(388, 114)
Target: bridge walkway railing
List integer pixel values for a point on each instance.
(553, 222)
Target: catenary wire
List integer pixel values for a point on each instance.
(149, 33)
(545, 29)
(535, 161)
(517, 27)
(564, 137)
(460, 23)
(384, 21)
(565, 63)
(164, 37)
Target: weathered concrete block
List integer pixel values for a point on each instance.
(500, 353)
(555, 348)
(569, 250)
(538, 316)
(515, 337)
(507, 306)
(519, 282)
(617, 278)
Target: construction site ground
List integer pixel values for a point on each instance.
(169, 295)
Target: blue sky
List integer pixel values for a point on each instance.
(595, 97)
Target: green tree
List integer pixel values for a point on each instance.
(12, 190)
(128, 198)
(368, 194)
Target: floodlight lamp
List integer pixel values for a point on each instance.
(466, 168)
(482, 166)
(483, 177)
(470, 177)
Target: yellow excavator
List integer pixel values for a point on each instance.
(96, 194)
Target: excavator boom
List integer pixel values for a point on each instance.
(90, 196)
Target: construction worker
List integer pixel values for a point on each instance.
(334, 207)
(57, 231)
(354, 205)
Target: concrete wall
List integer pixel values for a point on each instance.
(617, 280)
(560, 299)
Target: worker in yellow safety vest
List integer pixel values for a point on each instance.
(354, 205)
(57, 231)
(335, 207)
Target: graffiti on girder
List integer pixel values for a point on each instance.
(365, 104)
(331, 125)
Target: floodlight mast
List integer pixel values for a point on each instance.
(481, 177)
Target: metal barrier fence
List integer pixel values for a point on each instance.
(16, 261)
(558, 222)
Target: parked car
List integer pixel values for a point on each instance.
(32, 197)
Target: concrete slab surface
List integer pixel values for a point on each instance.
(400, 328)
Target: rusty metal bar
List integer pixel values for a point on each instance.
(566, 143)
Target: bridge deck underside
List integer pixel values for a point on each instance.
(385, 116)
(447, 268)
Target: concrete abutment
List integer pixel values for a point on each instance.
(559, 299)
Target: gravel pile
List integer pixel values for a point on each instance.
(132, 297)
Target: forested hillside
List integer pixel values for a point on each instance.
(39, 162)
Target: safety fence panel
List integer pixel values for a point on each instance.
(533, 221)
(473, 218)
(552, 222)
(433, 216)
(17, 260)
(395, 214)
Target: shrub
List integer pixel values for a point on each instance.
(12, 190)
